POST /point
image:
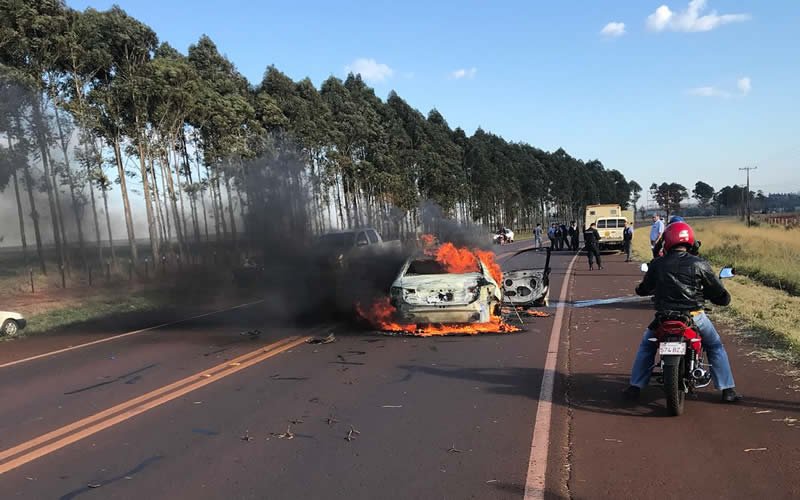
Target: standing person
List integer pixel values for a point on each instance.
(683, 282)
(575, 236)
(656, 234)
(551, 233)
(564, 236)
(627, 240)
(537, 236)
(591, 241)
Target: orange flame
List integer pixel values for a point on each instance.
(382, 316)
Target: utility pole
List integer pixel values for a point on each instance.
(747, 193)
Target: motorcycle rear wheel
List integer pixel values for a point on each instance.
(674, 388)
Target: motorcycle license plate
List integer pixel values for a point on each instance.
(672, 348)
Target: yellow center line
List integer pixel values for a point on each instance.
(112, 416)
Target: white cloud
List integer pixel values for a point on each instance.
(464, 73)
(370, 70)
(744, 85)
(691, 19)
(613, 29)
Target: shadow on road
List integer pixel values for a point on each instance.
(592, 392)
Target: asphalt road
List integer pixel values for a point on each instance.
(200, 410)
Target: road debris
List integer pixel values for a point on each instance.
(94, 485)
(763, 411)
(246, 436)
(453, 449)
(747, 450)
(491, 481)
(612, 440)
(295, 421)
(251, 333)
(328, 339)
(285, 435)
(392, 406)
(331, 420)
(351, 434)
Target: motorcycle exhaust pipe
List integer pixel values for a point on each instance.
(699, 374)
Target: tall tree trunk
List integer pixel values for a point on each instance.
(213, 202)
(230, 210)
(34, 215)
(174, 203)
(148, 205)
(21, 217)
(94, 204)
(108, 224)
(202, 191)
(221, 206)
(162, 229)
(22, 238)
(167, 203)
(187, 172)
(41, 137)
(182, 220)
(60, 216)
(123, 187)
(76, 209)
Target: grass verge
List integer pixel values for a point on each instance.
(93, 309)
(768, 316)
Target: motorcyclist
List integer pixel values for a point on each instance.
(682, 282)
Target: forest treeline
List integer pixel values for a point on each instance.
(91, 101)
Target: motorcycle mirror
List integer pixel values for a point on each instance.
(727, 272)
(644, 267)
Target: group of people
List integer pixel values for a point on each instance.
(561, 236)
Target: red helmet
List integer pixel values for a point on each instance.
(678, 233)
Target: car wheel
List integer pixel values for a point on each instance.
(10, 328)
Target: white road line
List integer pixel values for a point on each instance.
(537, 464)
(122, 335)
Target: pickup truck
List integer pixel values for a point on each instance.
(340, 248)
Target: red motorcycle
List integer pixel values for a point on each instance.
(682, 361)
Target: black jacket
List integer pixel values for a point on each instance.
(591, 238)
(682, 282)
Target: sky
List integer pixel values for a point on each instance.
(678, 91)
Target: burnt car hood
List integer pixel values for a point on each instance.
(442, 289)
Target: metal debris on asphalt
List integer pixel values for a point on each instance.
(392, 406)
(613, 440)
(251, 333)
(453, 449)
(94, 485)
(763, 411)
(330, 338)
(331, 420)
(755, 449)
(351, 434)
(246, 436)
(295, 421)
(286, 435)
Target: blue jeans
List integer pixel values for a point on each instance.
(712, 344)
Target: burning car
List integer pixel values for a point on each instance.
(427, 291)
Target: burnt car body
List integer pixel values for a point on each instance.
(424, 292)
(527, 287)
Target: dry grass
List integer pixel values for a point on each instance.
(767, 254)
(770, 315)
